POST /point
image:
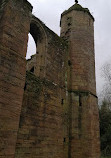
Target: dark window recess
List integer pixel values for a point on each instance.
(80, 100)
(32, 69)
(62, 101)
(69, 24)
(67, 32)
(25, 86)
(69, 21)
(64, 140)
(69, 62)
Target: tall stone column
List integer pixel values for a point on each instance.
(15, 18)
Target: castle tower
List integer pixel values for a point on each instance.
(77, 27)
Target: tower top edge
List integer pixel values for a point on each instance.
(78, 7)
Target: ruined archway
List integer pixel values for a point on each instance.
(39, 35)
(31, 48)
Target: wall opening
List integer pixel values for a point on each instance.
(36, 49)
(25, 86)
(80, 100)
(32, 69)
(69, 62)
(62, 101)
(64, 140)
(31, 48)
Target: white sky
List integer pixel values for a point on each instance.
(49, 11)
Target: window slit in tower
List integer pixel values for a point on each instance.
(80, 100)
(32, 69)
(69, 62)
(62, 101)
(80, 116)
(64, 140)
(69, 20)
(25, 86)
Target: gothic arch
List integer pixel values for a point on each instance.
(38, 32)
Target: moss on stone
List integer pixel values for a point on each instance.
(33, 83)
(36, 84)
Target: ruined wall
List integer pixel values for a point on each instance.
(41, 123)
(41, 129)
(55, 114)
(31, 63)
(49, 61)
(14, 28)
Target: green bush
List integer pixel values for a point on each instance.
(105, 129)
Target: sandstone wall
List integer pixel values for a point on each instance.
(80, 34)
(78, 29)
(50, 60)
(55, 114)
(41, 123)
(43, 129)
(31, 63)
(84, 122)
(14, 28)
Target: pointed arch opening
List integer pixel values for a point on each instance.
(31, 48)
(37, 49)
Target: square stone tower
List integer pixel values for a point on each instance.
(77, 27)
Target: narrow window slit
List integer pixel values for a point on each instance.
(69, 62)
(25, 86)
(32, 69)
(62, 101)
(64, 140)
(80, 100)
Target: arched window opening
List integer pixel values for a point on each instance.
(36, 45)
(31, 49)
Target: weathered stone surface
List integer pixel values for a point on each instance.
(14, 28)
(41, 123)
(49, 62)
(53, 112)
(77, 28)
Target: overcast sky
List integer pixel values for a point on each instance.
(49, 11)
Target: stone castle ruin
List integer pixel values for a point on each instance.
(50, 110)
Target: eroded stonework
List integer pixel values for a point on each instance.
(48, 104)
